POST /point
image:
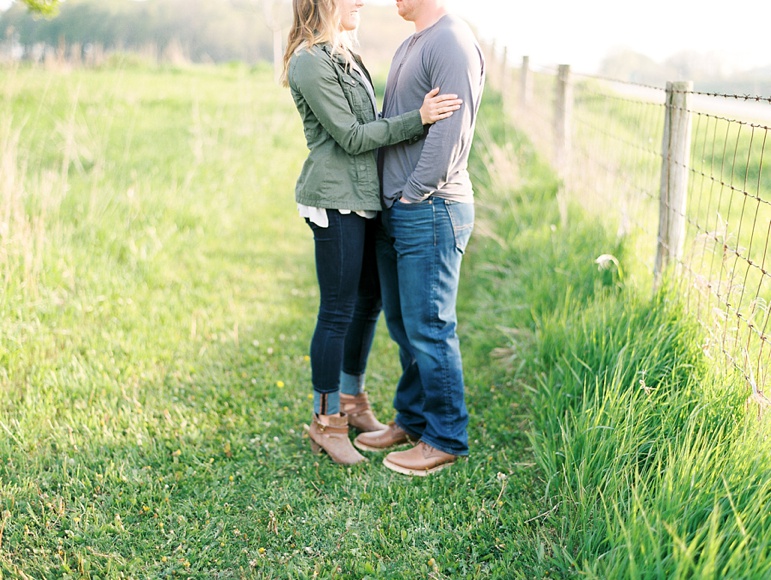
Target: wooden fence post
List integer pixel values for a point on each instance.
(504, 73)
(491, 65)
(278, 58)
(563, 114)
(525, 83)
(675, 154)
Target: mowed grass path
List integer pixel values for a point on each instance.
(158, 297)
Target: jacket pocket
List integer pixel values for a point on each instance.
(365, 168)
(354, 93)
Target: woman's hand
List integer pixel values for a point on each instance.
(437, 107)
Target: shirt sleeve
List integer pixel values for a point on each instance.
(316, 79)
(455, 67)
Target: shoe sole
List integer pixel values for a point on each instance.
(418, 472)
(365, 447)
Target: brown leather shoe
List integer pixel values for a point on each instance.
(391, 436)
(360, 415)
(421, 460)
(333, 438)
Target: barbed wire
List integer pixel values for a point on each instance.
(746, 98)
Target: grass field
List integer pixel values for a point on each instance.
(157, 305)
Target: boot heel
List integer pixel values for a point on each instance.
(316, 448)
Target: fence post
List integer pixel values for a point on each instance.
(562, 139)
(278, 57)
(525, 83)
(491, 65)
(504, 72)
(675, 153)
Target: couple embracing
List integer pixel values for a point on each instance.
(390, 203)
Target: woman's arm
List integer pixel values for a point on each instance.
(314, 76)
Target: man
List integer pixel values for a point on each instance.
(426, 222)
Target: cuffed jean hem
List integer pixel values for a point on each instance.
(326, 403)
(351, 384)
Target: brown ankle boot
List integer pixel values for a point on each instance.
(360, 415)
(391, 436)
(421, 460)
(333, 438)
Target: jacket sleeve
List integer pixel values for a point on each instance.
(315, 78)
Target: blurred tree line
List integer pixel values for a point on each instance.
(44, 7)
(707, 71)
(198, 31)
(214, 30)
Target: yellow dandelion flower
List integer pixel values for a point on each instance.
(280, 384)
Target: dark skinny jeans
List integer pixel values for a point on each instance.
(350, 304)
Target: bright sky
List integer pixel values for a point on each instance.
(582, 33)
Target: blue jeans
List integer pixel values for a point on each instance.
(419, 251)
(350, 304)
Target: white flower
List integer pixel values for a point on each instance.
(605, 260)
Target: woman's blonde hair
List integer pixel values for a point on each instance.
(316, 22)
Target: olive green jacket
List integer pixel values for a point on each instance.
(341, 131)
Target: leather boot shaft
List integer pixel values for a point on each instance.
(332, 438)
(359, 411)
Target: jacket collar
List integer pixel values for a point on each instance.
(336, 57)
(340, 59)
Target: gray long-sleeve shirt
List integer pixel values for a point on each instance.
(445, 55)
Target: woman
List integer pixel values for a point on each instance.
(338, 194)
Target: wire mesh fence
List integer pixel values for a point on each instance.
(612, 144)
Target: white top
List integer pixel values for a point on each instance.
(318, 215)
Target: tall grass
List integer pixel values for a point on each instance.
(653, 468)
(656, 471)
(24, 218)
